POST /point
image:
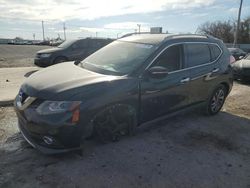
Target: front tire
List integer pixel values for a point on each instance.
(113, 122)
(216, 100)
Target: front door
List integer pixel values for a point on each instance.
(161, 96)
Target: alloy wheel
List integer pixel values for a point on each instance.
(217, 100)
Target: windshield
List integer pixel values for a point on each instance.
(118, 57)
(66, 44)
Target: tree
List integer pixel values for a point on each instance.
(221, 30)
(225, 30)
(244, 31)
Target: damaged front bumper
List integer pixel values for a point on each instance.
(43, 149)
(39, 132)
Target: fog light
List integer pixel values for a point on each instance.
(48, 140)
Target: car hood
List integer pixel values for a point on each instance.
(62, 81)
(244, 63)
(49, 50)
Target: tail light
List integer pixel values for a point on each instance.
(232, 59)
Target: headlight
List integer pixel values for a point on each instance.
(56, 107)
(45, 55)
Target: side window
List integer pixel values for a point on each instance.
(83, 44)
(95, 44)
(75, 46)
(215, 51)
(80, 44)
(197, 54)
(171, 58)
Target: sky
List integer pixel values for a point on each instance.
(110, 18)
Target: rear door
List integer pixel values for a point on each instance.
(161, 96)
(202, 60)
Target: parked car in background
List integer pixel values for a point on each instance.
(241, 68)
(131, 81)
(56, 42)
(237, 53)
(45, 43)
(70, 50)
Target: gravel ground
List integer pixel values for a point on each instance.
(188, 150)
(18, 55)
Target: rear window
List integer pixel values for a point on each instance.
(197, 54)
(215, 51)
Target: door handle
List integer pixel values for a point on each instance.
(185, 80)
(215, 70)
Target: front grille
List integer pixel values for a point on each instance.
(36, 103)
(23, 100)
(22, 96)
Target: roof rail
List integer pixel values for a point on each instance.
(209, 36)
(171, 35)
(130, 34)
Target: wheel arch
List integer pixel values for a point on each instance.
(132, 109)
(226, 85)
(127, 109)
(60, 56)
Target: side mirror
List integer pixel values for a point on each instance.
(157, 72)
(77, 62)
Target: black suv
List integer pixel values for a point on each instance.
(131, 81)
(70, 50)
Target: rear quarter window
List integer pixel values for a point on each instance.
(215, 51)
(197, 54)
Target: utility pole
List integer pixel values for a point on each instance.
(139, 28)
(34, 36)
(43, 31)
(238, 25)
(64, 28)
(117, 35)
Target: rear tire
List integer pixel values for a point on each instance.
(216, 100)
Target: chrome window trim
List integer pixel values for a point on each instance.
(26, 103)
(221, 52)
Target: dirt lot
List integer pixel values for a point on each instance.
(18, 55)
(188, 150)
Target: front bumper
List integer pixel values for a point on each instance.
(63, 137)
(241, 73)
(43, 149)
(43, 62)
